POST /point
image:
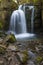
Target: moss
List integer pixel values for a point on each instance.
(1, 25)
(25, 57)
(39, 59)
(2, 49)
(12, 38)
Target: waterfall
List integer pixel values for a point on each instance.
(18, 22)
(32, 20)
(20, 7)
(32, 16)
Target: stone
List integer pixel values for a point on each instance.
(11, 38)
(1, 40)
(37, 50)
(41, 63)
(23, 56)
(2, 49)
(39, 59)
(14, 60)
(1, 62)
(30, 62)
(31, 55)
(13, 48)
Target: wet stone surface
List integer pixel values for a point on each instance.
(23, 53)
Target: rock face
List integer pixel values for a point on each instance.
(6, 7)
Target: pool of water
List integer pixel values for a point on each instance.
(28, 36)
(25, 36)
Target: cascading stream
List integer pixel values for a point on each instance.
(32, 20)
(18, 23)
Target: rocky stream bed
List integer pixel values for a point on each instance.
(14, 52)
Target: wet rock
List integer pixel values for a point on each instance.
(37, 50)
(1, 62)
(13, 60)
(39, 59)
(31, 55)
(1, 40)
(21, 47)
(23, 56)
(12, 38)
(2, 49)
(30, 62)
(12, 48)
(41, 63)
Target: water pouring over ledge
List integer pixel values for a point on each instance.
(18, 24)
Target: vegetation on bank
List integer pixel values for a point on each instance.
(6, 8)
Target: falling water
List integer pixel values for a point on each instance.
(32, 16)
(20, 7)
(18, 22)
(32, 19)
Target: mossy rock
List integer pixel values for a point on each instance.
(39, 59)
(23, 56)
(1, 25)
(12, 38)
(2, 49)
